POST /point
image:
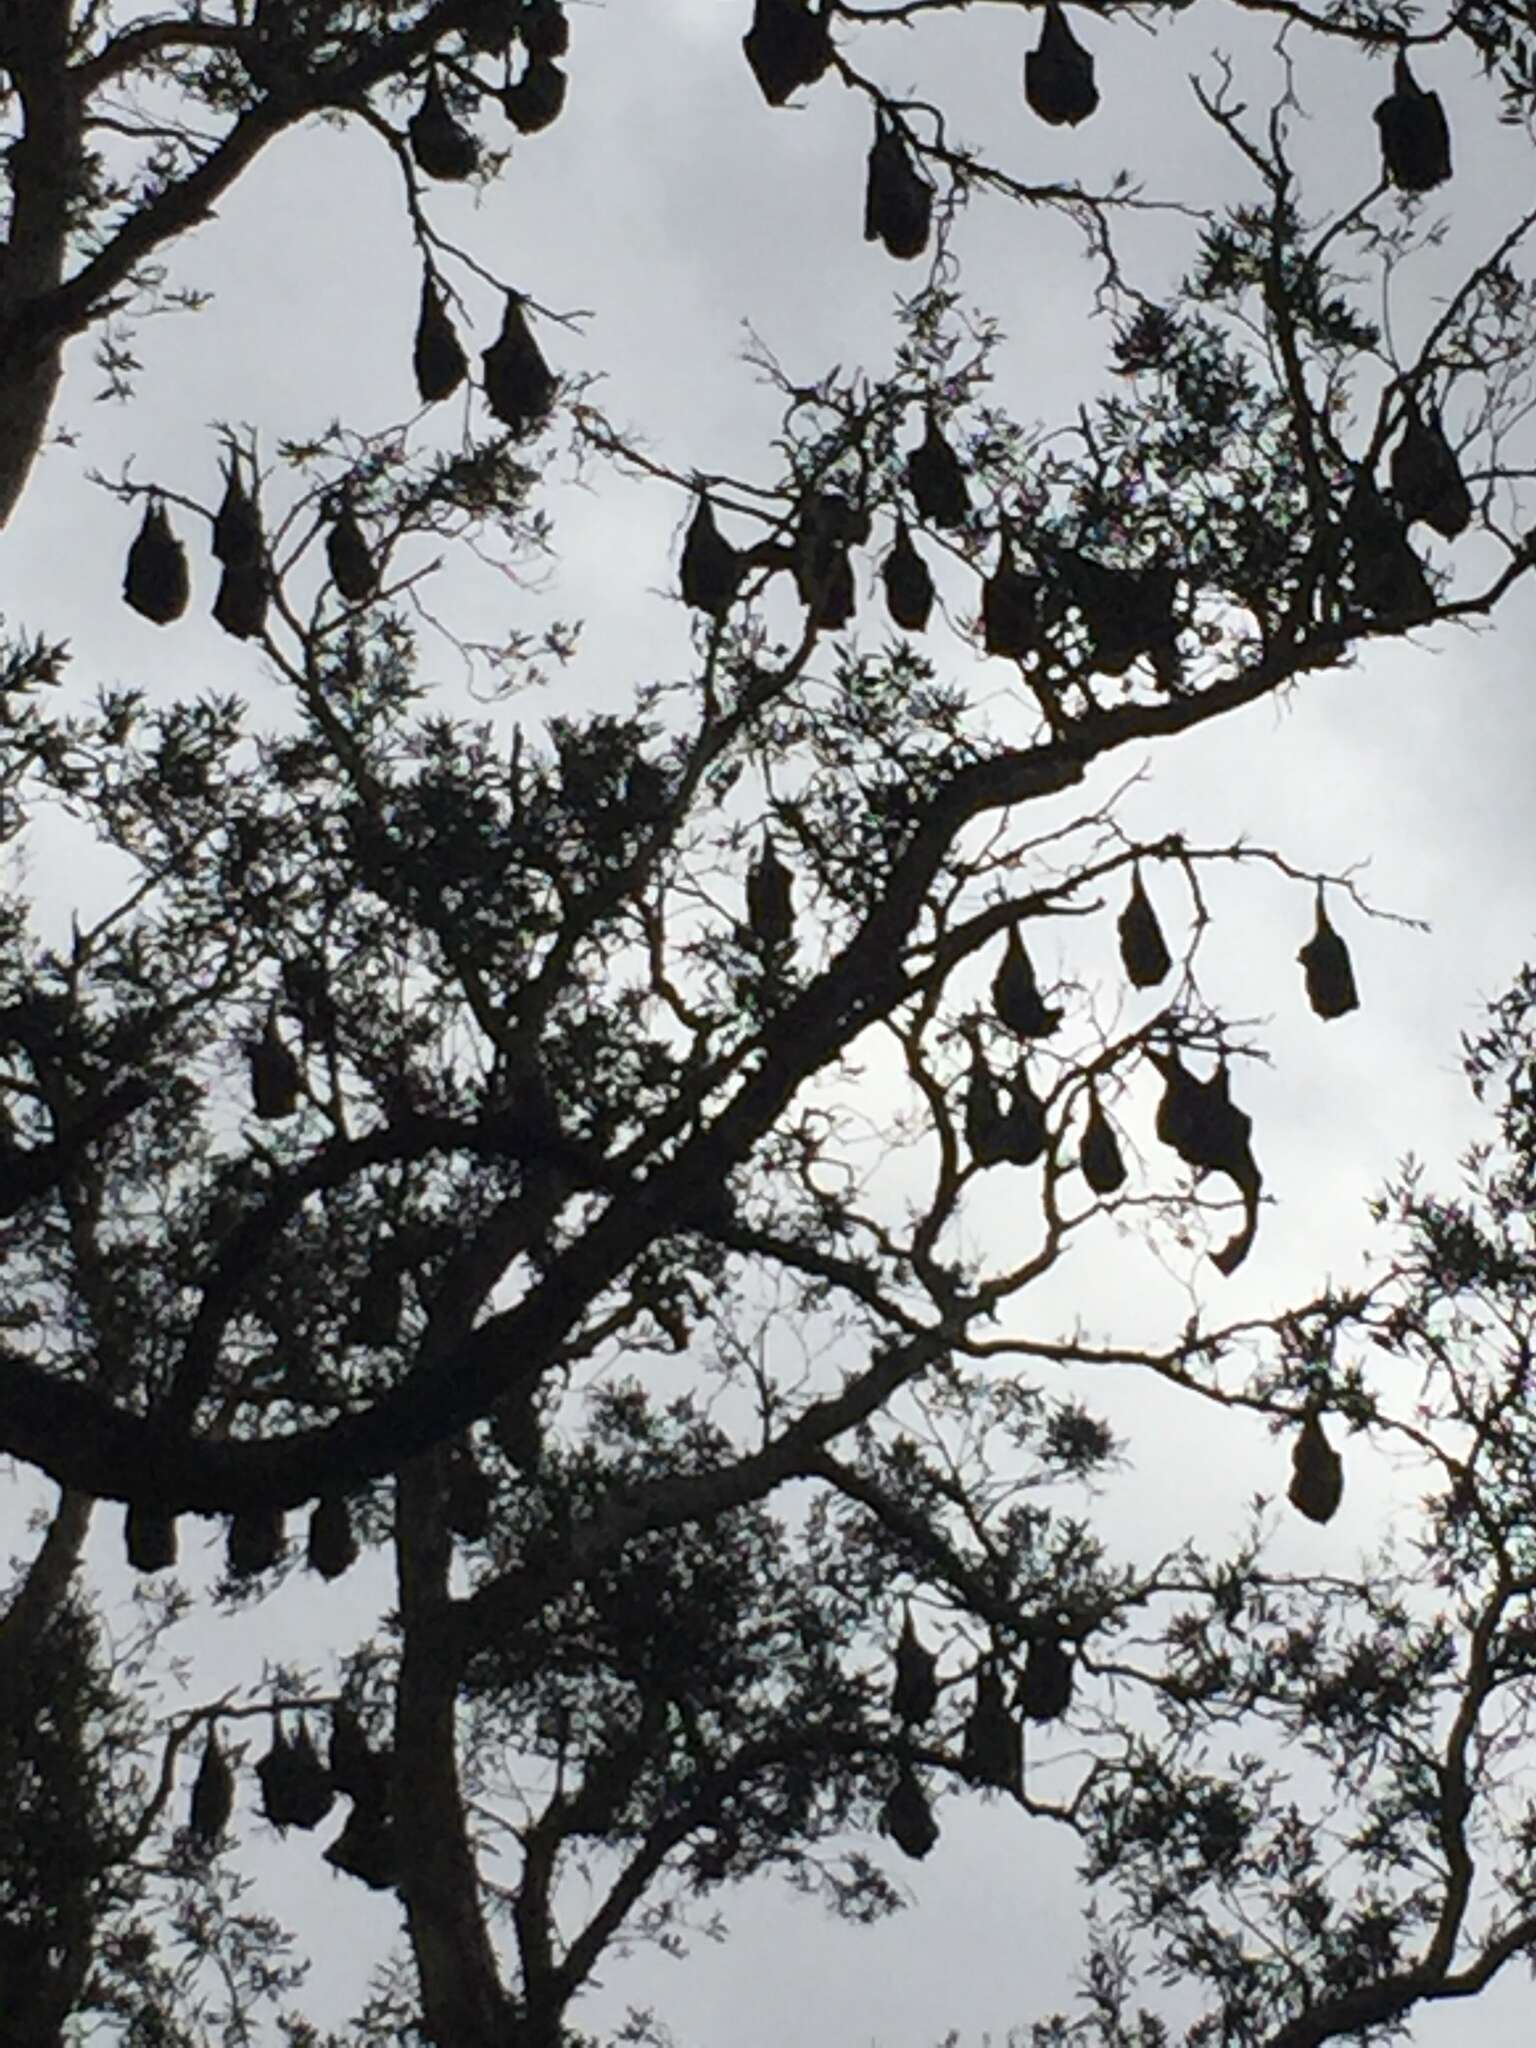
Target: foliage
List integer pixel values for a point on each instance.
(555, 1162)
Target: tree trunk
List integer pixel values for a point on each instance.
(45, 171)
(44, 1586)
(463, 2005)
(40, 1989)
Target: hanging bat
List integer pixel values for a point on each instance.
(332, 1546)
(254, 1541)
(442, 147)
(156, 582)
(296, 1788)
(1016, 995)
(770, 900)
(898, 200)
(992, 1748)
(787, 47)
(1426, 478)
(1099, 1153)
(908, 584)
(438, 360)
(213, 1793)
(519, 385)
(936, 479)
(347, 554)
(149, 1538)
(237, 523)
(1200, 1121)
(1045, 1688)
(1326, 964)
(908, 1818)
(537, 100)
(1058, 75)
(711, 569)
(1317, 1473)
(1415, 137)
(1010, 603)
(915, 1689)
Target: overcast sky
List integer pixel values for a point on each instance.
(672, 204)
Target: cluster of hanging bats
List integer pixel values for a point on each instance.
(1132, 611)
(256, 1540)
(298, 1788)
(1427, 483)
(1196, 1119)
(518, 385)
(519, 389)
(992, 1741)
(789, 47)
(1130, 614)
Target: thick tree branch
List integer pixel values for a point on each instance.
(504, 1604)
(83, 1440)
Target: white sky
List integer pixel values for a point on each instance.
(673, 204)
